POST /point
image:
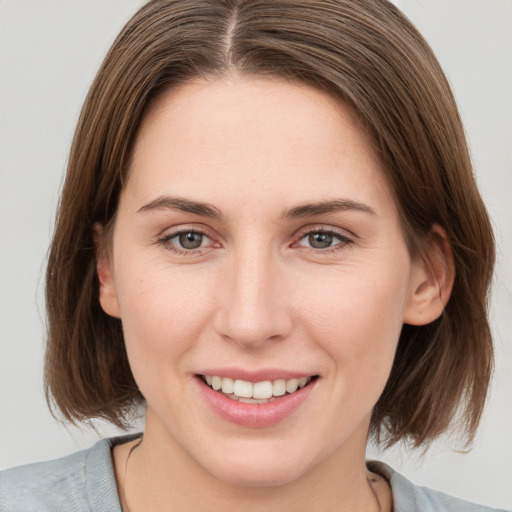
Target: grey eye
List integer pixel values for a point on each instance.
(320, 240)
(190, 240)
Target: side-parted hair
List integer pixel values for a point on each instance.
(371, 57)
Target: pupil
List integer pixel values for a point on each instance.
(320, 240)
(191, 240)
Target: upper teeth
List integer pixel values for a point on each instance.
(264, 389)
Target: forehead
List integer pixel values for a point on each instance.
(252, 134)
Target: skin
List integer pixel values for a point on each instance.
(257, 295)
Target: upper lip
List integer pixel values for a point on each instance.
(255, 375)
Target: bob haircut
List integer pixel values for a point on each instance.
(368, 55)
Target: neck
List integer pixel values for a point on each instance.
(159, 472)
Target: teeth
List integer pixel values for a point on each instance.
(242, 388)
(216, 383)
(255, 393)
(227, 386)
(279, 387)
(292, 385)
(253, 400)
(262, 389)
(303, 381)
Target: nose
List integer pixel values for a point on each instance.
(253, 307)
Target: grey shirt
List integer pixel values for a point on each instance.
(85, 481)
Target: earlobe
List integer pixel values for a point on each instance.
(107, 292)
(432, 278)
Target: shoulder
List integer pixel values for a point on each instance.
(408, 497)
(53, 485)
(83, 481)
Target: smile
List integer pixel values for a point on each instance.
(255, 403)
(255, 392)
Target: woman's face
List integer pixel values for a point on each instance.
(256, 241)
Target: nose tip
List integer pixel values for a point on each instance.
(251, 322)
(249, 337)
(253, 309)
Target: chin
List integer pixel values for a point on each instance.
(256, 476)
(257, 469)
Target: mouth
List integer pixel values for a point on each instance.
(255, 399)
(262, 392)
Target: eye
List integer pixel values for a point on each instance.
(190, 240)
(323, 239)
(185, 241)
(320, 240)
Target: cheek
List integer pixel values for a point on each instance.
(163, 313)
(356, 318)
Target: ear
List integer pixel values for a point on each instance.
(108, 297)
(432, 277)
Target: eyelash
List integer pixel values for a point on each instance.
(165, 241)
(343, 240)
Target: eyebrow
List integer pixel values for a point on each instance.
(182, 205)
(336, 205)
(210, 211)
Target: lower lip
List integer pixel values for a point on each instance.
(255, 415)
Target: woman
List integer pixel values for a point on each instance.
(270, 237)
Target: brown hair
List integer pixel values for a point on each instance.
(370, 56)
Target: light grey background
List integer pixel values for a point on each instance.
(49, 53)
